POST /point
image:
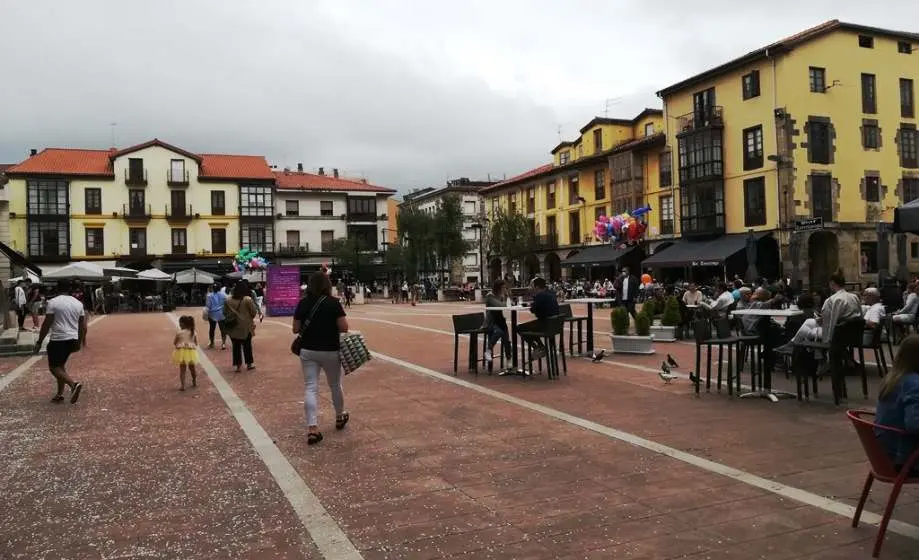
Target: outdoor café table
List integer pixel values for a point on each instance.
(590, 317)
(766, 391)
(514, 369)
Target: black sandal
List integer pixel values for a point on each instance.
(313, 438)
(341, 421)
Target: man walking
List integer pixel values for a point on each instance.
(20, 301)
(65, 319)
(628, 293)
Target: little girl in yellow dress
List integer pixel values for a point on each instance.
(185, 354)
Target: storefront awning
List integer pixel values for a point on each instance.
(598, 255)
(906, 218)
(712, 252)
(18, 258)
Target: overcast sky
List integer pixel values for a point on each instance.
(406, 93)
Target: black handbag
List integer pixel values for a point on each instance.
(296, 342)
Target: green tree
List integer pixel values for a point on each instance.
(416, 235)
(509, 236)
(448, 242)
(354, 255)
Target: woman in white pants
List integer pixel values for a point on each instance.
(319, 320)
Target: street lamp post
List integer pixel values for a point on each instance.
(480, 227)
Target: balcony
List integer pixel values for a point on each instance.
(362, 217)
(174, 179)
(702, 226)
(179, 250)
(135, 178)
(177, 213)
(546, 242)
(139, 212)
(293, 250)
(139, 251)
(712, 117)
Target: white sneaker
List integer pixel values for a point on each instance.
(488, 356)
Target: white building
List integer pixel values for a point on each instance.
(313, 210)
(473, 205)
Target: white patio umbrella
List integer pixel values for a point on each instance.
(194, 276)
(82, 270)
(29, 275)
(153, 274)
(120, 272)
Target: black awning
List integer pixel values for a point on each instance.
(906, 218)
(598, 255)
(18, 258)
(700, 253)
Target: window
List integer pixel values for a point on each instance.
(818, 142)
(866, 41)
(469, 207)
(869, 94)
(817, 79)
(48, 198)
(564, 157)
(177, 200)
(531, 200)
(362, 208)
(904, 47)
(256, 200)
(703, 104)
(257, 237)
(598, 141)
(95, 245)
(872, 189)
(179, 241)
(753, 148)
(292, 207)
(574, 227)
(649, 129)
(754, 198)
(218, 240)
(574, 192)
(822, 197)
(600, 184)
(665, 203)
(293, 238)
(702, 208)
(907, 100)
(218, 203)
(512, 203)
(599, 211)
(325, 208)
(909, 157)
(910, 189)
(914, 250)
(550, 195)
(49, 238)
(327, 240)
(871, 135)
(94, 201)
(622, 171)
(551, 227)
(666, 169)
(137, 202)
(136, 170)
(750, 85)
(137, 241)
(700, 156)
(177, 171)
(868, 251)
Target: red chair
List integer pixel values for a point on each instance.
(882, 468)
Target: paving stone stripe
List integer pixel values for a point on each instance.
(328, 536)
(831, 506)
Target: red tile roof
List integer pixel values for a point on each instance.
(296, 180)
(161, 144)
(223, 166)
(532, 172)
(66, 161)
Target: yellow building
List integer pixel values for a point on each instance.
(608, 169)
(151, 204)
(815, 133)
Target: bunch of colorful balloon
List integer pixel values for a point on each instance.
(247, 259)
(624, 229)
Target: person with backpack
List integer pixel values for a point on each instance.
(239, 313)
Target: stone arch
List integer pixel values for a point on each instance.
(553, 267)
(530, 267)
(823, 258)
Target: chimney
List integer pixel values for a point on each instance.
(322, 170)
(286, 170)
(33, 152)
(335, 173)
(299, 168)
(364, 180)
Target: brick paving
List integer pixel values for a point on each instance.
(425, 469)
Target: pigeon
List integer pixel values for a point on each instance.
(599, 355)
(667, 377)
(693, 377)
(671, 361)
(665, 368)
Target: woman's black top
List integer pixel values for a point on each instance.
(322, 333)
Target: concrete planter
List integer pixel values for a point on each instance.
(663, 334)
(633, 344)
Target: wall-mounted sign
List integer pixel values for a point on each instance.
(809, 224)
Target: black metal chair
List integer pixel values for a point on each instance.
(568, 318)
(721, 337)
(847, 337)
(872, 339)
(472, 325)
(552, 327)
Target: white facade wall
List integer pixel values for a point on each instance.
(310, 222)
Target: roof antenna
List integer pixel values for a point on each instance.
(559, 130)
(112, 127)
(606, 104)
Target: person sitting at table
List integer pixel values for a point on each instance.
(721, 304)
(495, 322)
(766, 328)
(736, 292)
(840, 307)
(692, 296)
(874, 314)
(543, 306)
(906, 315)
(898, 405)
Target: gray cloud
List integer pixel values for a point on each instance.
(407, 93)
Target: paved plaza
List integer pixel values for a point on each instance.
(607, 462)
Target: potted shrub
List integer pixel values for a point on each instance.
(670, 319)
(623, 343)
(648, 307)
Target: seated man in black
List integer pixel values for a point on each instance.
(544, 305)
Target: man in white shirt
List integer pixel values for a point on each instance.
(725, 299)
(20, 302)
(99, 300)
(840, 307)
(65, 319)
(874, 315)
